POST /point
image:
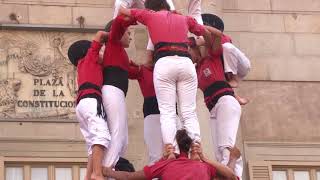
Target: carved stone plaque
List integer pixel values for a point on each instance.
(37, 81)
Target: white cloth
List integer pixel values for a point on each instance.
(235, 61)
(153, 137)
(93, 127)
(116, 110)
(224, 120)
(175, 77)
(194, 10)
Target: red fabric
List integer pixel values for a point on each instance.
(144, 75)
(181, 168)
(115, 54)
(210, 70)
(89, 70)
(167, 26)
(225, 38)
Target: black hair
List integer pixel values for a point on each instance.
(156, 5)
(213, 21)
(78, 50)
(184, 141)
(107, 28)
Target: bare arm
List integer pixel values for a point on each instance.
(123, 175)
(217, 34)
(221, 169)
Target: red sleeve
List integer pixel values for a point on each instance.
(194, 27)
(134, 71)
(141, 15)
(93, 52)
(225, 39)
(119, 27)
(156, 170)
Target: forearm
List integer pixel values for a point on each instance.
(214, 31)
(123, 175)
(222, 169)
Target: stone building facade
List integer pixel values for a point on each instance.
(279, 131)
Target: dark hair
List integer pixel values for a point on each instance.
(156, 5)
(78, 50)
(213, 21)
(183, 140)
(107, 28)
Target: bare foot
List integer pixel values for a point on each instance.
(241, 100)
(232, 80)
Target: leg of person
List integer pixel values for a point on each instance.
(235, 61)
(187, 93)
(83, 123)
(153, 137)
(99, 134)
(194, 10)
(115, 107)
(164, 79)
(228, 113)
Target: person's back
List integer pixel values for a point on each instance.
(167, 26)
(181, 168)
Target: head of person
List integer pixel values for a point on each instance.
(78, 50)
(125, 40)
(157, 5)
(213, 21)
(184, 141)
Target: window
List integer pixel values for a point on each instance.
(44, 171)
(295, 173)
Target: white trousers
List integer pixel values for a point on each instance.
(93, 127)
(235, 61)
(224, 120)
(153, 137)
(116, 110)
(175, 78)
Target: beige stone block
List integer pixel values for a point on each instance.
(254, 5)
(296, 5)
(104, 3)
(44, 2)
(307, 44)
(50, 15)
(266, 44)
(20, 10)
(236, 21)
(230, 4)
(281, 111)
(302, 23)
(253, 22)
(93, 16)
(266, 23)
(284, 68)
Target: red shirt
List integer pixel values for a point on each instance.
(167, 26)
(90, 71)
(144, 75)
(115, 54)
(210, 70)
(225, 38)
(181, 168)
